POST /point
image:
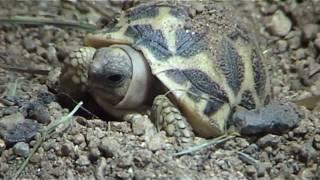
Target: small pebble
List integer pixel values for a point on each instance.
(126, 161)
(308, 153)
(83, 160)
(280, 24)
(269, 9)
(29, 44)
(109, 147)
(199, 7)
(295, 39)
(22, 149)
(282, 46)
(10, 38)
(67, 148)
(52, 55)
(36, 158)
(251, 149)
(141, 125)
(307, 174)
(142, 158)
(309, 31)
(10, 121)
(302, 129)
(316, 141)
(156, 142)
(269, 140)
(250, 170)
(78, 139)
(2, 146)
(317, 43)
(94, 154)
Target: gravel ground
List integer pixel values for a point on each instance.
(92, 148)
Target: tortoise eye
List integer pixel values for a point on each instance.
(115, 78)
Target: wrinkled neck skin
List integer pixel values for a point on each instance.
(138, 91)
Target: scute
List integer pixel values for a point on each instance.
(176, 75)
(188, 43)
(247, 100)
(144, 35)
(203, 83)
(259, 73)
(231, 64)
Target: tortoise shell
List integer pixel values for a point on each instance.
(208, 73)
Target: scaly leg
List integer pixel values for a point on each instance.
(167, 117)
(74, 74)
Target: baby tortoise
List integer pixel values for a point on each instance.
(154, 58)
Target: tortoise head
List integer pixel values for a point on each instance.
(119, 79)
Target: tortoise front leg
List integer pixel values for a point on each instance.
(74, 74)
(167, 117)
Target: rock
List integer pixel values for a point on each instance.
(280, 24)
(303, 128)
(307, 153)
(36, 158)
(251, 149)
(109, 147)
(100, 169)
(282, 46)
(94, 154)
(156, 142)
(317, 43)
(142, 158)
(316, 141)
(79, 139)
(299, 54)
(304, 13)
(309, 32)
(307, 174)
(126, 161)
(39, 112)
(269, 140)
(67, 148)
(10, 38)
(9, 122)
(140, 124)
(83, 160)
(280, 157)
(261, 169)
(57, 172)
(274, 118)
(242, 142)
(22, 132)
(22, 149)
(269, 9)
(199, 7)
(29, 44)
(41, 51)
(295, 42)
(2, 146)
(52, 55)
(192, 12)
(250, 170)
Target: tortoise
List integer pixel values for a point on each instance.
(155, 58)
